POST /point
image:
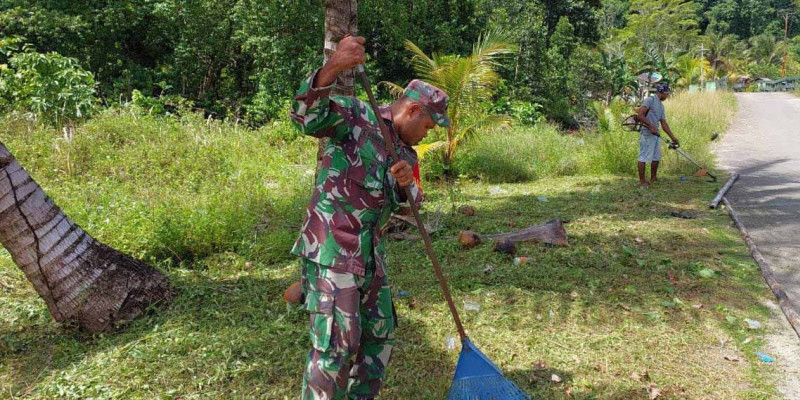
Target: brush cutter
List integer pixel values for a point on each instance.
(701, 171)
(634, 125)
(476, 377)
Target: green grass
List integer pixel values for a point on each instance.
(217, 208)
(169, 189)
(526, 153)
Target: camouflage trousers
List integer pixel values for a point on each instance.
(352, 329)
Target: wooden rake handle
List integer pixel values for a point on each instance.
(414, 208)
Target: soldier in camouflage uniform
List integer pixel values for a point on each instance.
(342, 242)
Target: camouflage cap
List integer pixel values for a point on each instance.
(662, 87)
(432, 98)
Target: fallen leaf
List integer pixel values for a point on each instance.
(635, 376)
(568, 392)
(576, 359)
(466, 210)
(731, 358)
(540, 365)
(678, 391)
(697, 306)
(573, 295)
(555, 378)
(638, 240)
(601, 368)
(653, 391)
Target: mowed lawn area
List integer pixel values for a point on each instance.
(641, 303)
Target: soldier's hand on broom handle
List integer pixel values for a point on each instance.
(349, 53)
(402, 173)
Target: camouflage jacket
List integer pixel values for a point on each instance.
(355, 194)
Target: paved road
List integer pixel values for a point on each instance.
(763, 146)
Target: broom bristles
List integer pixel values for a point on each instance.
(477, 378)
(485, 388)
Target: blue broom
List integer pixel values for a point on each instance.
(476, 377)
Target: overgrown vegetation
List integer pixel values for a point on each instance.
(217, 207)
(542, 151)
(47, 87)
(470, 82)
(173, 189)
(189, 163)
(243, 59)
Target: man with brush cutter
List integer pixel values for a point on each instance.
(650, 114)
(341, 244)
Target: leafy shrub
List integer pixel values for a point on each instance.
(48, 87)
(163, 105)
(527, 113)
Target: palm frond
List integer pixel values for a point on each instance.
(425, 148)
(420, 62)
(395, 90)
(468, 81)
(491, 46)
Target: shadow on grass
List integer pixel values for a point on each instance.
(227, 320)
(226, 337)
(231, 335)
(628, 259)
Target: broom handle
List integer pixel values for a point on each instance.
(407, 190)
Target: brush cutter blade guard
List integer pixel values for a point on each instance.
(477, 378)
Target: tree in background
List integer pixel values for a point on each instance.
(242, 59)
(559, 97)
(660, 27)
(46, 87)
(470, 82)
(721, 50)
(341, 19)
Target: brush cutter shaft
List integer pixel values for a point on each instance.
(686, 156)
(407, 190)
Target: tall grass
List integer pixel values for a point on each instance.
(169, 189)
(214, 195)
(520, 155)
(182, 189)
(525, 153)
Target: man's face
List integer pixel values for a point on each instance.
(413, 123)
(663, 96)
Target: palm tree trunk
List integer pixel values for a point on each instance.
(341, 18)
(78, 277)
